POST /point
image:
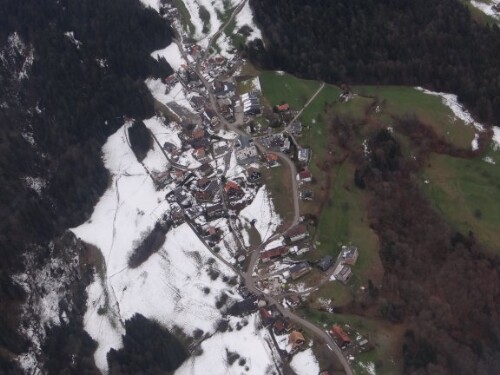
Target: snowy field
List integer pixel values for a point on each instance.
(175, 286)
(245, 18)
(262, 210)
(172, 54)
(163, 94)
(251, 342)
(305, 363)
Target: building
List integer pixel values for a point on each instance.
(325, 263)
(272, 160)
(247, 155)
(206, 170)
(298, 270)
(272, 254)
(304, 176)
(283, 107)
(253, 175)
(281, 326)
(297, 233)
(340, 335)
(233, 190)
(304, 155)
(306, 195)
(349, 255)
(296, 339)
(214, 212)
(342, 273)
(251, 104)
(296, 128)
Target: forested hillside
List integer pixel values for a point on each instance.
(69, 71)
(428, 43)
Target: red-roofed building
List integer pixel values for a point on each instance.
(283, 107)
(340, 335)
(233, 190)
(304, 176)
(275, 253)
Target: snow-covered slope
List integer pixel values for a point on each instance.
(487, 7)
(169, 286)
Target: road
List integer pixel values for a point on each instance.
(246, 276)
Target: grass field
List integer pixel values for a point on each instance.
(279, 88)
(398, 101)
(467, 193)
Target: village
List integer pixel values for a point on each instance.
(223, 137)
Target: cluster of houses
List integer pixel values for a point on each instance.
(289, 338)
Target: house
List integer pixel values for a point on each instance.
(199, 153)
(266, 316)
(202, 183)
(177, 217)
(178, 175)
(325, 263)
(283, 107)
(182, 197)
(340, 335)
(206, 169)
(296, 339)
(253, 175)
(214, 212)
(223, 89)
(349, 255)
(342, 273)
(306, 195)
(198, 132)
(169, 147)
(233, 190)
(298, 270)
(304, 155)
(281, 325)
(304, 176)
(274, 253)
(496, 7)
(220, 148)
(297, 233)
(296, 128)
(247, 155)
(272, 160)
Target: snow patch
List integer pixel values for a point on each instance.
(172, 54)
(451, 101)
(155, 4)
(305, 363)
(71, 36)
(496, 138)
(487, 8)
(166, 95)
(36, 183)
(245, 18)
(369, 367)
(252, 343)
(489, 160)
(262, 210)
